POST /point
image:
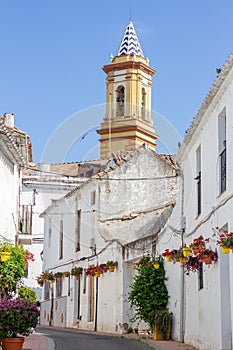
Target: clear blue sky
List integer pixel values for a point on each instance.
(53, 51)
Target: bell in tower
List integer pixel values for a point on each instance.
(127, 123)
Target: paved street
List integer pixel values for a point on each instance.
(73, 340)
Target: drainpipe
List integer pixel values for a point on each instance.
(182, 282)
(96, 301)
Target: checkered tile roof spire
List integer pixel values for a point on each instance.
(130, 44)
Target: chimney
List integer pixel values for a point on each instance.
(9, 119)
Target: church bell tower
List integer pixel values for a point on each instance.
(127, 123)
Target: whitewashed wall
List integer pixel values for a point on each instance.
(207, 312)
(9, 189)
(101, 224)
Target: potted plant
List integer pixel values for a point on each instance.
(59, 275)
(148, 282)
(77, 272)
(180, 256)
(40, 280)
(97, 270)
(226, 242)
(186, 251)
(208, 256)
(50, 277)
(12, 270)
(192, 264)
(67, 273)
(18, 318)
(111, 265)
(198, 245)
(167, 255)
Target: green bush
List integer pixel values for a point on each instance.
(149, 295)
(27, 294)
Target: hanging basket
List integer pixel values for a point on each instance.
(207, 260)
(111, 268)
(168, 258)
(186, 251)
(225, 250)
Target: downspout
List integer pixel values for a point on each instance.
(182, 282)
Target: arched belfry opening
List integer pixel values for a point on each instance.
(127, 123)
(143, 104)
(120, 101)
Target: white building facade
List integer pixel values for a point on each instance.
(13, 156)
(42, 184)
(102, 220)
(202, 302)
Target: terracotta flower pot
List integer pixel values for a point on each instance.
(77, 277)
(207, 260)
(12, 343)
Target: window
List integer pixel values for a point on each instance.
(25, 219)
(61, 240)
(46, 290)
(120, 101)
(200, 277)
(50, 234)
(58, 288)
(143, 108)
(222, 150)
(78, 230)
(198, 179)
(93, 197)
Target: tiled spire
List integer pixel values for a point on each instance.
(130, 44)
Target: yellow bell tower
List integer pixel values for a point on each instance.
(127, 123)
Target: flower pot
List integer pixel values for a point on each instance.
(97, 274)
(66, 274)
(12, 343)
(111, 268)
(207, 260)
(168, 258)
(59, 278)
(41, 284)
(156, 265)
(157, 335)
(182, 260)
(4, 256)
(225, 250)
(186, 251)
(77, 277)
